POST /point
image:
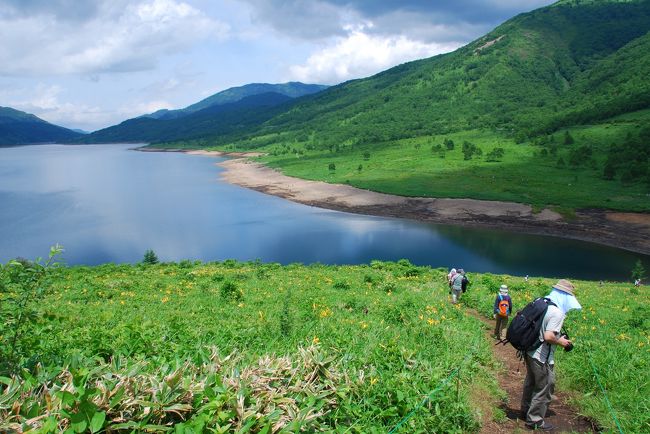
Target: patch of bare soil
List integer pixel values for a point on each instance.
(630, 231)
(511, 379)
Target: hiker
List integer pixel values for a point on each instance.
(540, 376)
(450, 277)
(637, 282)
(502, 309)
(458, 285)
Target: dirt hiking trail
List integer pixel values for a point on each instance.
(562, 416)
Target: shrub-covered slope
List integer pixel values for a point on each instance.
(18, 128)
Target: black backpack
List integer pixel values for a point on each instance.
(464, 283)
(523, 331)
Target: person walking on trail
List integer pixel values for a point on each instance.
(540, 376)
(450, 276)
(502, 309)
(457, 285)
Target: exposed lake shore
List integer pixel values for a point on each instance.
(625, 230)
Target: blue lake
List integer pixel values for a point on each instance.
(107, 203)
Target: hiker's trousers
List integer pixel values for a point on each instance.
(538, 387)
(455, 295)
(502, 322)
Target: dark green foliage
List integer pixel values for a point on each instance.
(630, 158)
(366, 156)
(286, 321)
(17, 128)
(470, 149)
(331, 167)
(638, 272)
(342, 285)
(449, 144)
(150, 257)
(580, 156)
(230, 291)
(23, 285)
(495, 154)
(568, 139)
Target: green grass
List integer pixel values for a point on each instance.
(612, 332)
(410, 168)
(384, 337)
(250, 346)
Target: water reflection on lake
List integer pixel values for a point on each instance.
(109, 204)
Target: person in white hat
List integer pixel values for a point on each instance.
(540, 376)
(502, 309)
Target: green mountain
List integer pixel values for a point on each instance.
(534, 74)
(234, 109)
(550, 99)
(291, 89)
(17, 128)
(217, 119)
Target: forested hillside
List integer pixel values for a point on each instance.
(233, 110)
(19, 128)
(219, 119)
(547, 109)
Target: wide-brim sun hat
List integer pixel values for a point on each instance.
(503, 290)
(565, 286)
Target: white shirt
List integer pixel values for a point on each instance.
(552, 322)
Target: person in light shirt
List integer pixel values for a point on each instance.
(540, 375)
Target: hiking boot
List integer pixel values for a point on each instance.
(542, 426)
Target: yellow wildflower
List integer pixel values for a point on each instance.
(315, 340)
(165, 299)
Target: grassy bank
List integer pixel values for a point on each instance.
(544, 173)
(262, 347)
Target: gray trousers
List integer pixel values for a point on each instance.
(455, 295)
(502, 323)
(538, 387)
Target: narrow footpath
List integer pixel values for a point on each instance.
(511, 379)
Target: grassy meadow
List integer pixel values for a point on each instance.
(546, 172)
(251, 347)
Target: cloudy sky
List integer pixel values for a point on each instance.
(93, 63)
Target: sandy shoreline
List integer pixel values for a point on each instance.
(625, 230)
(629, 231)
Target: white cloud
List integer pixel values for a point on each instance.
(44, 101)
(119, 38)
(361, 54)
(135, 109)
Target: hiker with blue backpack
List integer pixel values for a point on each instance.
(536, 341)
(502, 309)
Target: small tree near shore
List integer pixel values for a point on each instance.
(638, 272)
(150, 257)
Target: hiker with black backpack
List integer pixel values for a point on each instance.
(502, 309)
(540, 376)
(458, 285)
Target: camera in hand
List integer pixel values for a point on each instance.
(568, 347)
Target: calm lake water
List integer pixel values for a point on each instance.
(107, 203)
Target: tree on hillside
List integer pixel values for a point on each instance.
(495, 154)
(449, 144)
(638, 272)
(568, 138)
(150, 257)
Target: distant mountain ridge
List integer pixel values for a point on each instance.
(214, 120)
(18, 127)
(221, 113)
